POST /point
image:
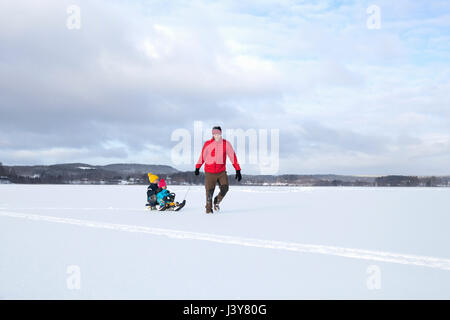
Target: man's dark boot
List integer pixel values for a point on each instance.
(218, 199)
(216, 203)
(209, 195)
(209, 207)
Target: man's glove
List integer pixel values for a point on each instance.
(238, 175)
(197, 171)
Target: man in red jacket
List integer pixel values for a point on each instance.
(214, 155)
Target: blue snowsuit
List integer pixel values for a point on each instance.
(161, 195)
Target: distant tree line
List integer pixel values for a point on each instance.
(2, 170)
(70, 175)
(411, 181)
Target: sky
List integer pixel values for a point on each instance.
(345, 97)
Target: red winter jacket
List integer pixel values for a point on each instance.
(214, 155)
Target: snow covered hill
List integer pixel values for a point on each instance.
(73, 242)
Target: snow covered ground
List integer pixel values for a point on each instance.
(72, 242)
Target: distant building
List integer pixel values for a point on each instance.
(4, 180)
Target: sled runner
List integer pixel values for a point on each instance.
(168, 206)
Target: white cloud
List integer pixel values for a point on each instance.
(366, 99)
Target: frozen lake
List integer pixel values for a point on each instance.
(85, 241)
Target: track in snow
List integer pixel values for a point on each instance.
(406, 259)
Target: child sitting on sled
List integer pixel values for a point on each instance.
(166, 199)
(152, 191)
